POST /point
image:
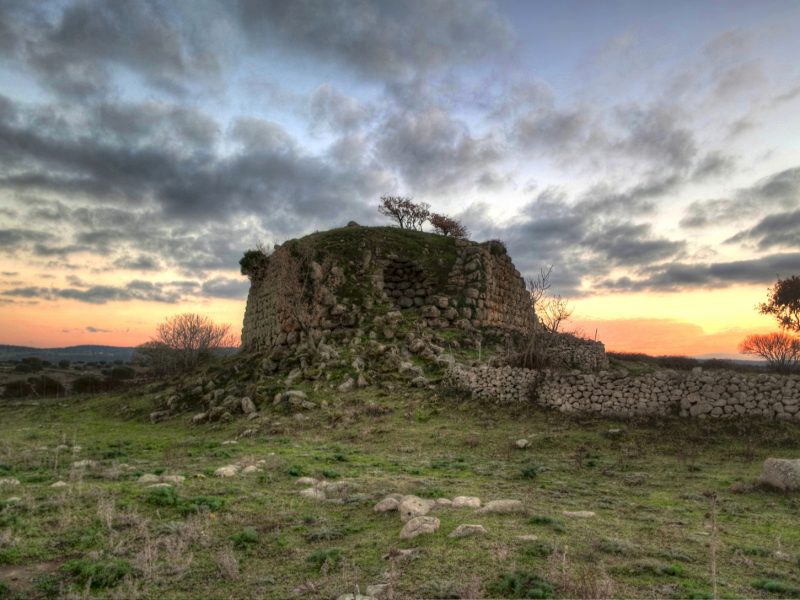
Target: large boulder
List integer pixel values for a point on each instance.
(782, 474)
(413, 506)
(419, 526)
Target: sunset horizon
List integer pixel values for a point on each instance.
(652, 157)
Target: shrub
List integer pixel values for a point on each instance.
(122, 373)
(254, 262)
(63, 364)
(17, 389)
(99, 574)
(245, 538)
(777, 587)
(47, 386)
(447, 226)
(328, 558)
(521, 584)
(91, 384)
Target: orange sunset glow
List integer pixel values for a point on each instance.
(654, 163)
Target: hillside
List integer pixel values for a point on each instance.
(84, 353)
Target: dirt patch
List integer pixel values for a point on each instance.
(23, 578)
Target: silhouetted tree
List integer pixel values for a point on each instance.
(185, 340)
(781, 351)
(447, 226)
(405, 212)
(783, 303)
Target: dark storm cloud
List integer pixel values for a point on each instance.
(13, 239)
(75, 50)
(223, 287)
(680, 276)
(102, 294)
(780, 230)
(138, 263)
(384, 40)
(779, 190)
(632, 244)
(433, 151)
(329, 107)
(268, 175)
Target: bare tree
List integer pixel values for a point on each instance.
(190, 338)
(781, 351)
(445, 225)
(554, 310)
(405, 212)
(539, 285)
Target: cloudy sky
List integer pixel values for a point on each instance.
(649, 151)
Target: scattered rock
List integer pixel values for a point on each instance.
(500, 507)
(159, 415)
(307, 481)
(248, 407)
(313, 493)
(84, 464)
(148, 478)
(378, 590)
(579, 514)
(466, 502)
(159, 485)
(227, 471)
(522, 443)
(420, 381)
(59, 484)
(386, 505)
(419, 526)
(781, 473)
(446, 502)
(9, 482)
(467, 530)
(347, 386)
(414, 506)
(250, 469)
(527, 537)
(199, 418)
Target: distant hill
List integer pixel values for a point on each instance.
(87, 353)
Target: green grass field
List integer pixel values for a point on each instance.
(673, 502)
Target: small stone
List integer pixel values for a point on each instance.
(446, 502)
(386, 505)
(176, 479)
(148, 478)
(419, 526)
(467, 530)
(227, 471)
(346, 386)
(527, 537)
(378, 590)
(579, 514)
(59, 484)
(248, 407)
(159, 485)
(250, 469)
(313, 493)
(466, 502)
(522, 443)
(84, 464)
(500, 507)
(307, 481)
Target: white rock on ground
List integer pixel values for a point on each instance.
(419, 526)
(386, 505)
(176, 479)
(307, 481)
(446, 502)
(148, 478)
(500, 507)
(466, 530)
(522, 443)
(527, 538)
(579, 514)
(781, 473)
(414, 506)
(9, 482)
(250, 469)
(466, 502)
(227, 471)
(313, 493)
(59, 484)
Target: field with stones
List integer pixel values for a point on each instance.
(95, 501)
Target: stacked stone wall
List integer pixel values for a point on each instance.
(703, 394)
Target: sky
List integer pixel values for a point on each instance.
(649, 152)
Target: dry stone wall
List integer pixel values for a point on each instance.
(701, 394)
(473, 286)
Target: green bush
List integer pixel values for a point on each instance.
(122, 373)
(99, 574)
(91, 384)
(163, 496)
(777, 587)
(330, 557)
(520, 584)
(63, 364)
(244, 538)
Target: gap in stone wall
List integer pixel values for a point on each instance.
(405, 283)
